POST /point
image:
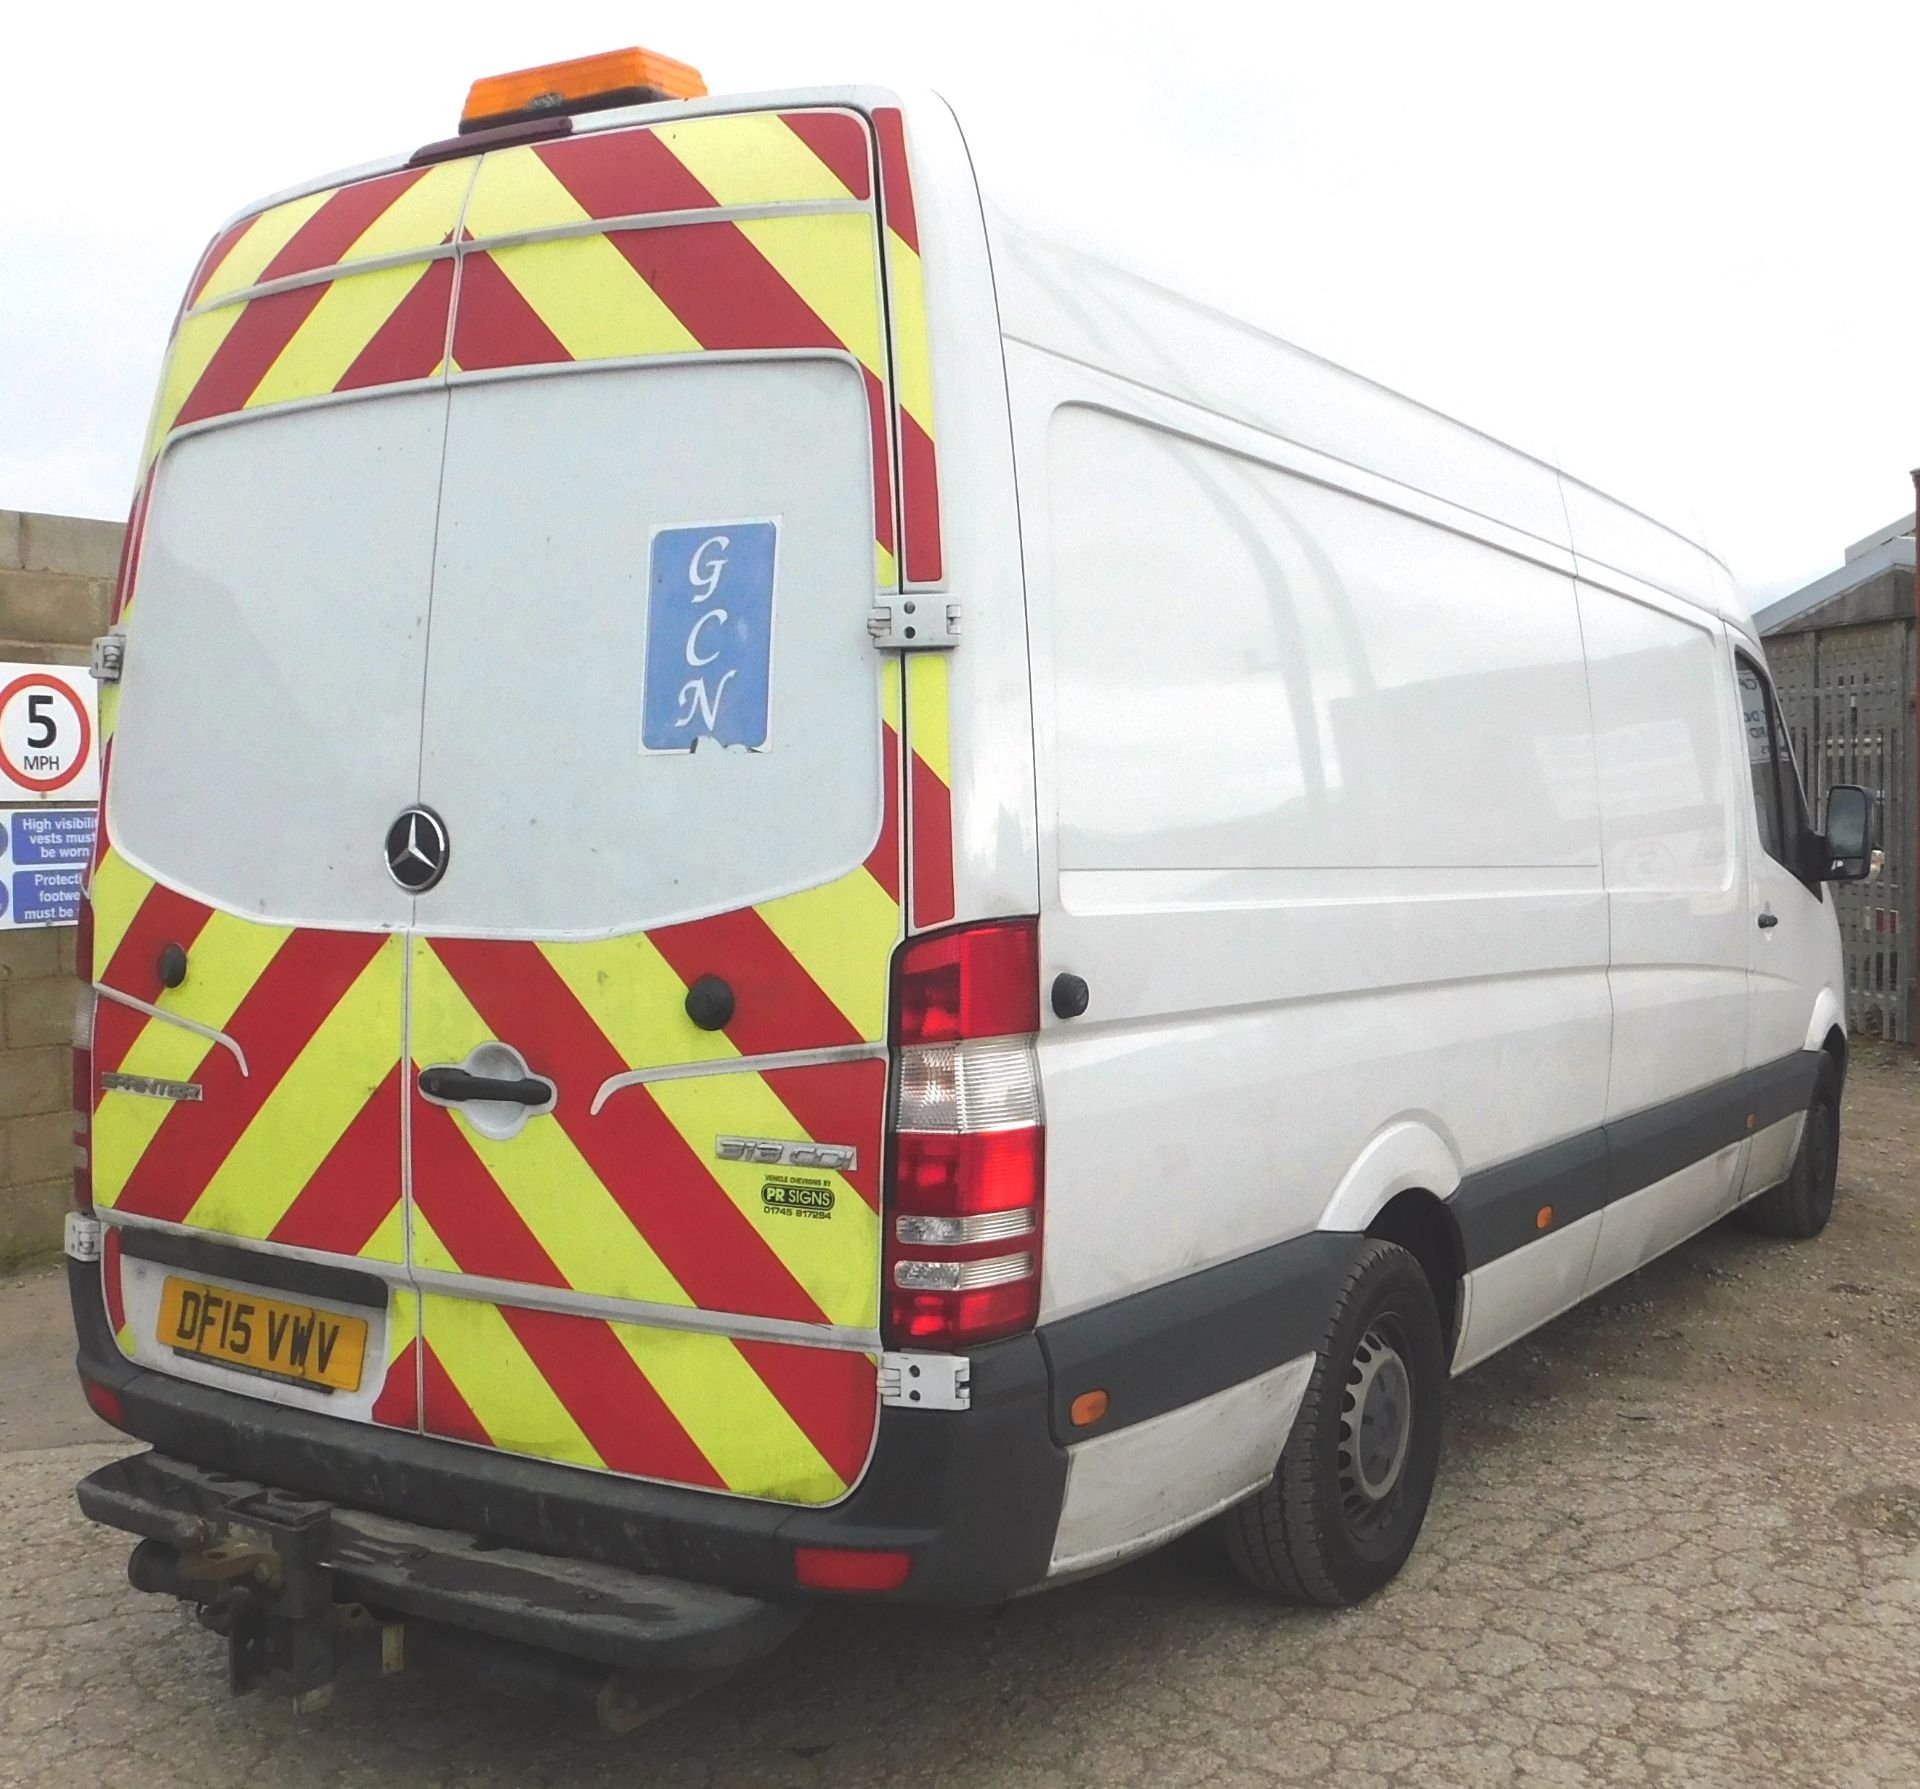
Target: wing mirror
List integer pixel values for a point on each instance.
(1847, 846)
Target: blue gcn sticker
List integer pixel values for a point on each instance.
(709, 636)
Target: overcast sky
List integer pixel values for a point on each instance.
(1672, 245)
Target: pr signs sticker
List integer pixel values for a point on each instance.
(709, 636)
(49, 734)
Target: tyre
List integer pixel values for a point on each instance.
(1801, 1204)
(1344, 1506)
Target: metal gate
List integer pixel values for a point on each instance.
(1847, 695)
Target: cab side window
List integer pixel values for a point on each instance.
(1793, 798)
(1778, 803)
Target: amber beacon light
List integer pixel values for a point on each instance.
(629, 77)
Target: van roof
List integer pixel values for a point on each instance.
(671, 111)
(1060, 296)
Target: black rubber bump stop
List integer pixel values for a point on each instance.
(1070, 996)
(710, 1003)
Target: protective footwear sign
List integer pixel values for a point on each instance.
(49, 734)
(709, 636)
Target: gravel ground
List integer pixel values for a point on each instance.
(1676, 1542)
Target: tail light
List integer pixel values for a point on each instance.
(83, 1060)
(850, 1568)
(104, 1402)
(963, 1210)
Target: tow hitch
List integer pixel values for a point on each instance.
(259, 1580)
(294, 1584)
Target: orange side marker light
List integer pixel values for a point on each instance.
(1087, 1408)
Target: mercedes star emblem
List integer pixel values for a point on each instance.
(417, 850)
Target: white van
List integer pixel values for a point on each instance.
(800, 896)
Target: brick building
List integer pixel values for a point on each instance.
(56, 580)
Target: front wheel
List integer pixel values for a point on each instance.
(1345, 1504)
(1801, 1204)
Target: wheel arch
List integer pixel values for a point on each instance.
(1424, 1225)
(1828, 1022)
(1396, 1190)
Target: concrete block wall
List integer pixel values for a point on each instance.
(56, 583)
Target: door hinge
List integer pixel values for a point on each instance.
(925, 621)
(926, 1381)
(109, 656)
(83, 1237)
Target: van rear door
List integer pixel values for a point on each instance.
(247, 939)
(503, 741)
(664, 752)
(627, 555)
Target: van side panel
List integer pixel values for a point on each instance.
(1325, 842)
(1675, 885)
(1319, 830)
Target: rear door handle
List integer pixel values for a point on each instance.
(456, 1085)
(1769, 920)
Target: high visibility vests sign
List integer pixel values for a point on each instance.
(49, 734)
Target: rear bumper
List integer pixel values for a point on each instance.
(974, 1496)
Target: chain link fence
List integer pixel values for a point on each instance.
(1847, 696)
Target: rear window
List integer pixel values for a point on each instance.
(445, 597)
(269, 723)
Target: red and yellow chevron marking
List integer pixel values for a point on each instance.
(354, 287)
(378, 328)
(930, 777)
(631, 1202)
(736, 160)
(238, 347)
(114, 1292)
(302, 1148)
(797, 279)
(397, 1405)
(923, 559)
(391, 215)
(930, 796)
(688, 1407)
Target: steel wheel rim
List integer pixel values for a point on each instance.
(1376, 1430)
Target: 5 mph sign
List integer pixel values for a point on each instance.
(49, 734)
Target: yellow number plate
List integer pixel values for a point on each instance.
(290, 1341)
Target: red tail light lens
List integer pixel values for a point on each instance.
(955, 1319)
(850, 1568)
(104, 1402)
(983, 981)
(963, 1211)
(962, 1177)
